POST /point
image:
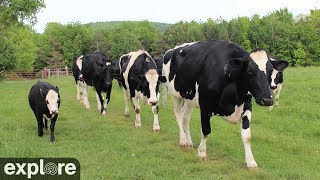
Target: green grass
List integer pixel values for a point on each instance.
(285, 141)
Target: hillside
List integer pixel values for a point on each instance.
(111, 24)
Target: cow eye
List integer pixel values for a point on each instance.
(47, 102)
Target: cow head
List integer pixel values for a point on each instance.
(103, 68)
(276, 76)
(254, 71)
(52, 99)
(149, 80)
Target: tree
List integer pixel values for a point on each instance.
(19, 11)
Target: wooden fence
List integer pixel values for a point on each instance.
(36, 74)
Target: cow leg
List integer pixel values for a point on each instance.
(105, 105)
(85, 96)
(78, 92)
(156, 126)
(277, 95)
(186, 115)
(126, 100)
(178, 113)
(246, 134)
(137, 109)
(52, 125)
(100, 102)
(40, 125)
(45, 123)
(206, 130)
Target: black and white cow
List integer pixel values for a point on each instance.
(221, 78)
(44, 100)
(97, 72)
(140, 80)
(276, 78)
(81, 85)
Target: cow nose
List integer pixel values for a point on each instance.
(266, 101)
(108, 83)
(54, 112)
(153, 103)
(273, 87)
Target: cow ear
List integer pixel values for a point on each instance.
(162, 79)
(57, 89)
(281, 65)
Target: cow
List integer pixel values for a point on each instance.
(221, 78)
(140, 80)
(80, 84)
(276, 77)
(116, 71)
(97, 72)
(44, 100)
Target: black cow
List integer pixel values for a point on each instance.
(140, 80)
(78, 77)
(116, 71)
(221, 78)
(276, 77)
(44, 100)
(97, 72)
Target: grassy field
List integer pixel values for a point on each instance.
(285, 141)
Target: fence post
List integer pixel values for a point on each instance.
(67, 70)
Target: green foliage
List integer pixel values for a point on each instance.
(162, 27)
(19, 11)
(295, 40)
(18, 49)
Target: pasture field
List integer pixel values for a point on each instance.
(285, 141)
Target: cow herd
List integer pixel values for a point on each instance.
(218, 76)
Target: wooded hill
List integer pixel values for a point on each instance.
(162, 27)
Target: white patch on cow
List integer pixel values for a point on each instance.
(108, 63)
(261, 59)
(273, 77)
(236, 115)
(184, 44)
(52, 101)
(152, 77)
(133, 57)
(79, 62)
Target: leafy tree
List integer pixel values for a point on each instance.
(19, 11)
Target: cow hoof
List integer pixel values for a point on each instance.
(270, 108)
(51, 140)
(103, 113)
(46, 128)
(137, 125)
(156, 128)
(202, 155)
(252, 165)
(127, 115)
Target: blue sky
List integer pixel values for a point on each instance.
(168, 11)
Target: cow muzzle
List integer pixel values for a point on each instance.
(54, 112)
(153, 102)
(81, 78)
(265, 101)
(273, 87)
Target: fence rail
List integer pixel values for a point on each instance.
(36, 74)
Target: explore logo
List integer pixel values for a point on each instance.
(39, 168)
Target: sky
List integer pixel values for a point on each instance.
(166, 11)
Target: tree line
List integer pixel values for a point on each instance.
(294, 39)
